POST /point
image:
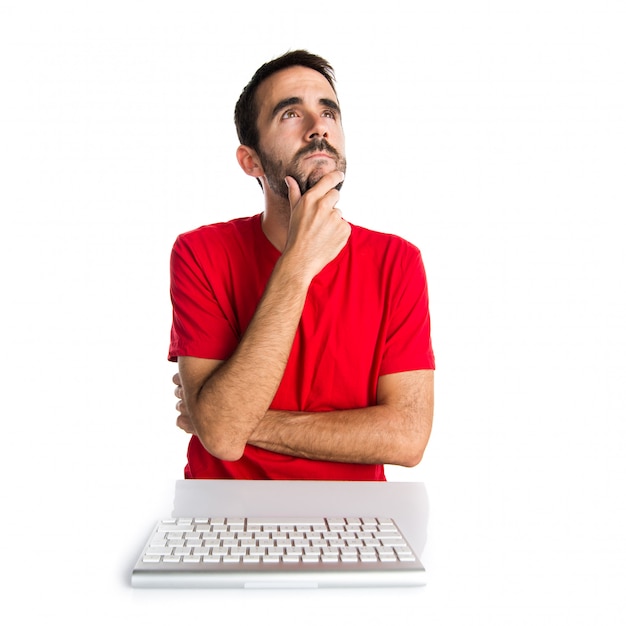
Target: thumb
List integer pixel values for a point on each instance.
(294, 193)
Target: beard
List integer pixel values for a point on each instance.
(276, 170)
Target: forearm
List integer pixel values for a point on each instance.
(376, 434)
(231, 401)
(394, 431)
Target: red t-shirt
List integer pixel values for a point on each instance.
(366, 315)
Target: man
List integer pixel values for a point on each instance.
(302, 341)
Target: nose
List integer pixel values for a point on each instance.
(318, 128)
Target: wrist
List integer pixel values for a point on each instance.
(291, 271)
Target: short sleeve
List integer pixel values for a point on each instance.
(408, 342)
(201, 326)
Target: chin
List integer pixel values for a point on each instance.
(316, 175)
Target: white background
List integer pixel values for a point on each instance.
(491, 134)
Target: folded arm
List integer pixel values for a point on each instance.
(226, 400)
(395, 431)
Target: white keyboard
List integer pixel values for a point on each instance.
(276, 552)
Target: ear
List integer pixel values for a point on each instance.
(249, 161)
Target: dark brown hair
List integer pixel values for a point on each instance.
(247, 109)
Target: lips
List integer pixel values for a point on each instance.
(320, 155)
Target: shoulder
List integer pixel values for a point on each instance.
(381, 244)
(220, 231)
(212, 239)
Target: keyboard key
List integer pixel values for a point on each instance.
(387, 558)
(147, 558)
(211, 558)
(310, 558)
(291, 558)
(271, 558)
(393, 541)
(276, 521)
(251, 558)
(193, 558)
(368, 558)
(171, 559)
(231, 558)
(158, 551)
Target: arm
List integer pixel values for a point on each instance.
(395, 431)
(225, 401)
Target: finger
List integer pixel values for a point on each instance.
(327, 183)
(185, 424)
(176, 379)
(293, 191)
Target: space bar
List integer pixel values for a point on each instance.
(286, 520)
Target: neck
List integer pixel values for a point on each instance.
(276, 219)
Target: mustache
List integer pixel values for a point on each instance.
(317, 145)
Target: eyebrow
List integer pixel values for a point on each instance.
(287, 102)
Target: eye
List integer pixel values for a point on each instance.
(329, 113)
(290, 113)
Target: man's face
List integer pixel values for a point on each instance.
(300, 128)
